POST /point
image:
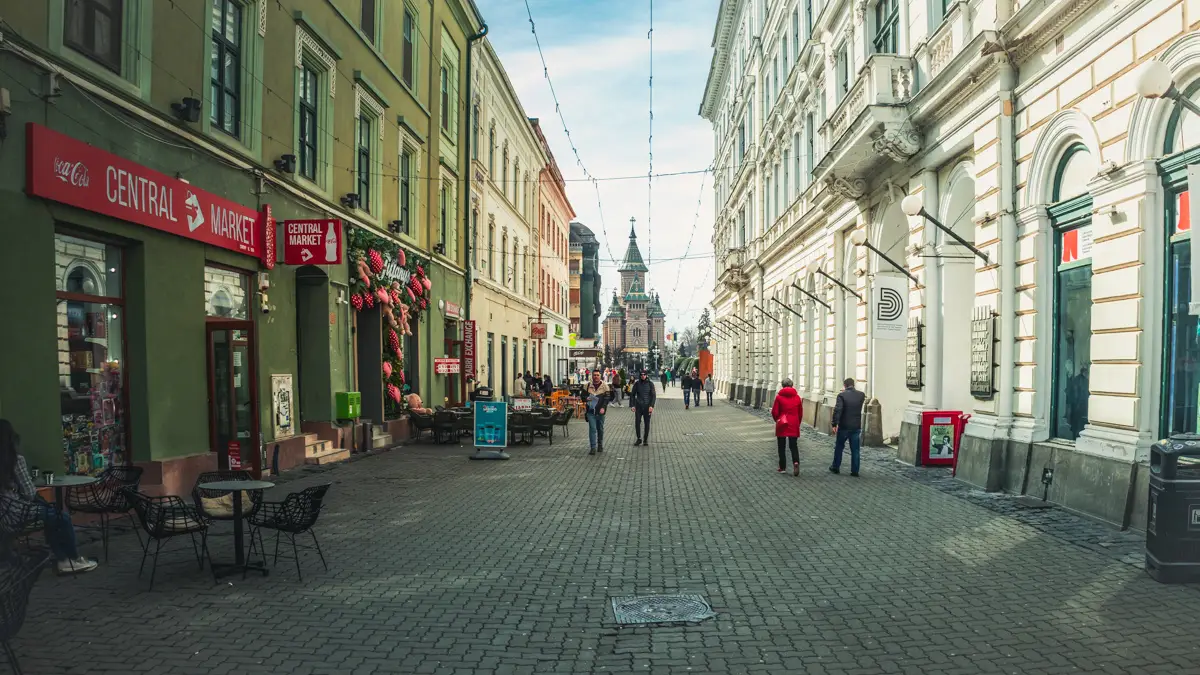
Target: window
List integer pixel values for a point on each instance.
(406, 162)
(504, 172)
(366, 20)
(363, 154)
(225, 66)
(800, 183)
(808, 19)
(887, 27)
(796, 31)
(491, 252)
(843, 71)
(504, 261)
(226, 293)
(444, 214)
(475, 133)
(445, 80)
(307, 140)
(491, 349)
(91, 354)
(492, 152)
(787, 184)
(408, 68)
(1181, 348)
(516, 182)
(783, 52)
(1072, 320)
(741, 141)
(93, 28)
(809, 125)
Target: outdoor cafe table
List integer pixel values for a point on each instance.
(60, 485)
(236, 487)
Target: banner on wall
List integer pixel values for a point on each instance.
(312, 242)
(469, 348)
(889, 308)
(1076, 245)
(1193, 182)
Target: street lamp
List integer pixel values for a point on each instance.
(913, 205)
(1154, 80)
(859, 238)
(814, 267)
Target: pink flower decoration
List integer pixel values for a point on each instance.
(383, 296)
(400, 257)
(427, 283)
(387, 369)
(411, 296)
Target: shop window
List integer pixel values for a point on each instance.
(91, 344)
(1072, 317)
(226, 293)
(94, 29)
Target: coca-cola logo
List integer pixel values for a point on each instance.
(72, 173)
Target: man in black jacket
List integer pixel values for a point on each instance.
(597, 396)
(847, 426)
(641, 402)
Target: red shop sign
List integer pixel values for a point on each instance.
(70, 171)
(469, 348)
(312, 242)
(268, 252)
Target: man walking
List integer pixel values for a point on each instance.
(641, 401)
(697, 384)
(847, 426)
(618, 383)
(709, 387)
(686, 383)
(662, 376)
(597, 396)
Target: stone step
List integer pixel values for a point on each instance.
(315, 447)
(329, 456)
(309, 439)
(381, 440)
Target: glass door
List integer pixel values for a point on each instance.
(232, 395)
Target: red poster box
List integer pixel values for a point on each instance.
(941, 432)
(312, 242)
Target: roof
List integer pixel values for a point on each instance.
(656, 310)
(633, 256)
(615, 309)
(636, 292)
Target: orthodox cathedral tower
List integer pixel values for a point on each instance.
(635, 320)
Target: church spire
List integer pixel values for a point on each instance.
(633, 256)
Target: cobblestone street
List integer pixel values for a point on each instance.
(443, 565)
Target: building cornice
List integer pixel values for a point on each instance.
(718, 70)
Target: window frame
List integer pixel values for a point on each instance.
(308, 116)
(373, 15)
(221, 47)
(368, 128)
(1173, 172)
(311, 53)
(408, 55)
(886, 39)
(116, 33)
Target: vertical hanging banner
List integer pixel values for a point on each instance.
(468, 365)
(889, 308)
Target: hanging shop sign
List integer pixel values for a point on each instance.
(469, 347)
(447, 366)
(583, 353)
(889, 308)
(268, 249)
(453, 311)
(558, 330)
(66, 170)
(983, 354)
(537, 331)
(914, 356)
(312, 242)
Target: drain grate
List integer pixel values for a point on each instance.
(651, 609)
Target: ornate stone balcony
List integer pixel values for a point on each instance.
(732, 267)
(871, 122)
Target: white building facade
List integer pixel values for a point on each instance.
(506, 163)
(1059, 321)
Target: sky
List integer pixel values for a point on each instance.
(598, 57)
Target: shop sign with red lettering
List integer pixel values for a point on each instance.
(446, 366)
(469, 347)
(312, 242)
(453, 310)
(66, 170)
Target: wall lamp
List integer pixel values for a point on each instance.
(859, 238)
(767, 314)
(815, 298)
(815, 268)
(188, 109)
(286, 164)
(350, 200)
(787, 307)
(913, 205)
(1155, 81)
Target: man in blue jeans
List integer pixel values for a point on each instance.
(597, 395)
(847, 426)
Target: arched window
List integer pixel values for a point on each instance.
(504, 171)
(492, 150)
(1071, 218)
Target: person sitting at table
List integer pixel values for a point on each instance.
(519, 387)
(415, 405)
(16, 481)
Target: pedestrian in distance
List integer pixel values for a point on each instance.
(709, 387)
(618, 384)
(663, 378)
(641, 402)
(686, 384)
(847, 426)
(697, 384)
(547, 385)
(598, 395)
(787, 411)
(670, 378)
(519, 387)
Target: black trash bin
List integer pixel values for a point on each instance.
(1173, 514)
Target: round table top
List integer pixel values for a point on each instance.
(236, 485)
(67, 481)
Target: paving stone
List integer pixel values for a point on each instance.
(438, 564)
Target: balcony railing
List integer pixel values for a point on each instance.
(946, 42)
(885, 80)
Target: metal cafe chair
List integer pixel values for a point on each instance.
(164, 518)
(106, 498)
(17, 576)
(294, 516)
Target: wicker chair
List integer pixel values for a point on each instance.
(543, 424)
(520, 424)
(106, 498)
(421, 423)
(17, 577)
(295, 515)
(19, 518)
(445, 426)
(465, 425)
(562, 419)
(164, 518)
(218, 504)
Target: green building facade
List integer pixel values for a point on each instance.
(144, 320)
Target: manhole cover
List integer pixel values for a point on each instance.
(643, 609)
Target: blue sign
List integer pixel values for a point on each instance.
(491, 424)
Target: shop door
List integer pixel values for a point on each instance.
(233, 395)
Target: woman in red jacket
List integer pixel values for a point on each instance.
(786, 412)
